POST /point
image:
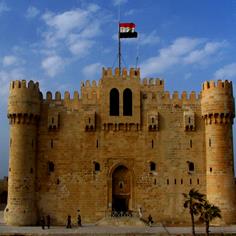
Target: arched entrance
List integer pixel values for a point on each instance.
(121, 189)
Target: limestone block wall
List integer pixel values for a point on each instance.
(23, 114)
(218, 112)
(76, 184)
(77, 146)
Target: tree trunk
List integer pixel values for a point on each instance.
(207, 228)
(193, 225)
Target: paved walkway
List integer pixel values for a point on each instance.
(111, 230)
(108, 230)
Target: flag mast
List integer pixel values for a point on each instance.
(119, 42)
(119, 49)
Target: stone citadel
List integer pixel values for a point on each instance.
(121, 145)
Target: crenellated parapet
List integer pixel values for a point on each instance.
(89, 92)
(23, 84)
(58, 97)
(133, 73)
(152, 85)
(24, 101)
(217, 102)
(175, 98)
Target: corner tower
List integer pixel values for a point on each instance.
(23, 114)
(218, 112)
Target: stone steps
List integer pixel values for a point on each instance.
(121, 221)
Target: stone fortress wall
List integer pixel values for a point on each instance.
(124, 144)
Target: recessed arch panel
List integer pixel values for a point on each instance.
(114, 102)
(127, 102)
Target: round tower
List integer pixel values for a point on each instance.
(217, 105)
(23, 114)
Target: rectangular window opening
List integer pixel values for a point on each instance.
(52, 144)
(191, 143)
(167, 182)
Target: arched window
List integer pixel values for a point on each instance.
(127, 102)
(96, 166)
(191, 166)
(152, 166)
(114, 102)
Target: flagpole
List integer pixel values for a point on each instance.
(119, 42)
(119, 50)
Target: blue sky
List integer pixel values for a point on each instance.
(60, 43)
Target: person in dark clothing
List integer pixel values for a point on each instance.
(48, 221)
(79, 221)
(68, 222)
(150, 221)
(43, 222)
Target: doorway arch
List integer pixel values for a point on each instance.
(121, 189)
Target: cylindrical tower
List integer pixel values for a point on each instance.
(218, 112)
(23, 114)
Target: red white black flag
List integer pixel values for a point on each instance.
(127, 30)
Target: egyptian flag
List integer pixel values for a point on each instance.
(127, 30)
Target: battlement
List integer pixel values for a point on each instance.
(217, 98)
(133, 73)
(207, 85)
(23, 84)
(58, 96)
(175, 96)
(87, 84)
(153, 82)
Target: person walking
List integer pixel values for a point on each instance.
(48, 221)
(79, 220)
(150, 221)
(43, 222)
(68, 222)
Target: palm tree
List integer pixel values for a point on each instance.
(193, 201)
(208, 213)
